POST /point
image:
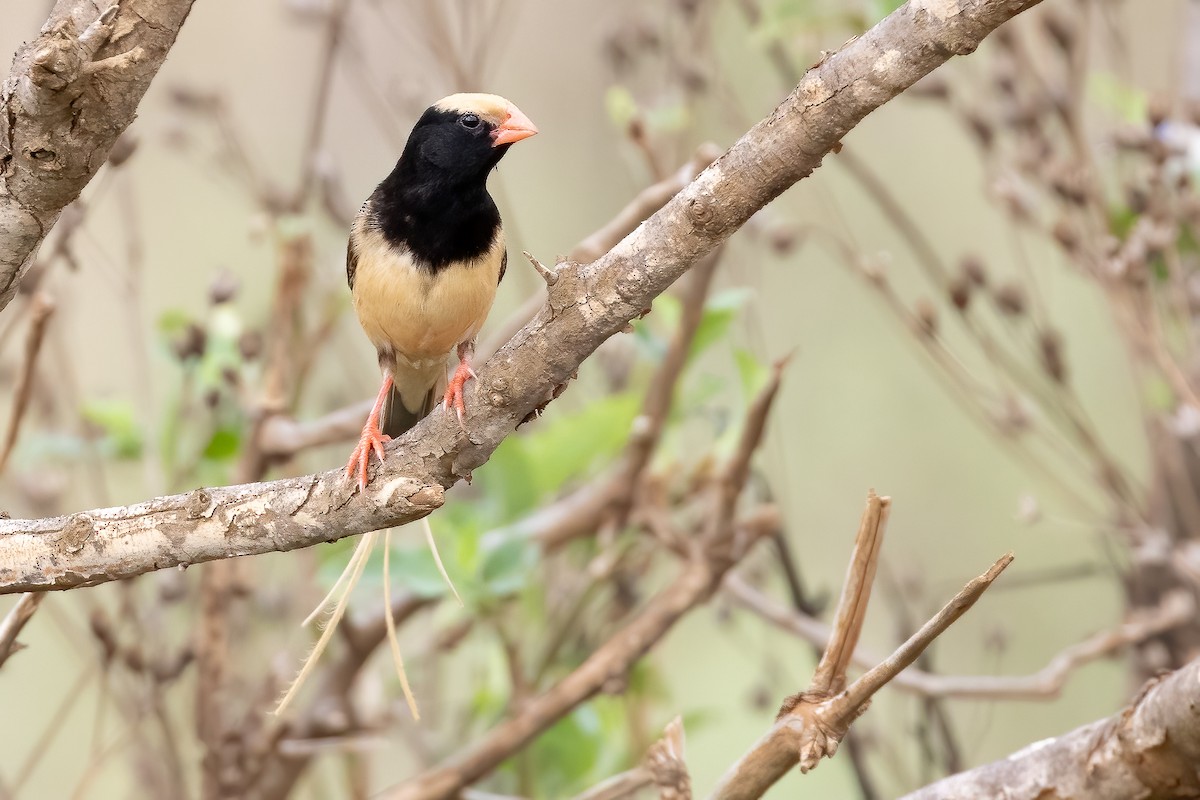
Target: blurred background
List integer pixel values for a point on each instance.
(988, 297)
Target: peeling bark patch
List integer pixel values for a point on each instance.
(886, 63)
(813, 91)
(76, 533)
(942, 10)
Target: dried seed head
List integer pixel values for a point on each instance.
(1028, 509)
(1011, 190)
(250, 344)
(1010, 299)
(1070, 183)
(223, 288)
(1061, 29)
(191, 344)
(1066, 234)
(1014, 417)
(972, 267)
(1050, 343)
(874, 268)
(1004, 75)
(1132, 137)
(192, 99)
(981, 128)
(783, 238)
(925, 313)
(1005, 37)
(1160, 150)
(1158, 109)
(960, 292)
(122, 149)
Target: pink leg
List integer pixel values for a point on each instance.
(454, 392)
(371, 438)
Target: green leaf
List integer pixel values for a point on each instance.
(885, 7)
(511, 484)
(116, 418)
(507, 566)
(754, 373)
(223, 445)
(567, 447)
(173, 321)
(567, 752)
(560, 448)
(669, 117)
(412, 570)
(719, 313)
(1121, 99)
(621, 105)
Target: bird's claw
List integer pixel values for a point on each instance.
(454, 397)
(360, 458)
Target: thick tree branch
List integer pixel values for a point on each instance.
(588, 304)
(71, 92)
(1150, 749)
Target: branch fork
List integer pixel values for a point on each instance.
(811, 724)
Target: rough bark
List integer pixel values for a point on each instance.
(587, 304)
(71, 92)
(1149, 750)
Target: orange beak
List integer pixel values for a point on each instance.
(514, 129)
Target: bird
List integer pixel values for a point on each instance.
(425, 256)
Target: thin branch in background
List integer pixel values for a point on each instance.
(812, 724)
(338, 14)
(15, 620)
(1148, 749)
(41, 307)
(1143, 624)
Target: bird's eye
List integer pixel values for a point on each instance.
(469, 121)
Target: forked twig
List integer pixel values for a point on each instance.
(812, 723)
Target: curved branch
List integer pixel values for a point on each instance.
(71, 92)
(1150, 749)
(588, 304)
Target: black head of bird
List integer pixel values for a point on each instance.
(425, 256)
(460, 139)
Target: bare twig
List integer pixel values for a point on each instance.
(548, 275)
(14, 621)
(1176, 609)
(859, 692)
(812, 724)
(40, 310)
(830, 676)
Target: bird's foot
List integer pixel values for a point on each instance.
(370, 440)
(454, 397)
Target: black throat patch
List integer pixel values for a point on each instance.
(435, 202)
